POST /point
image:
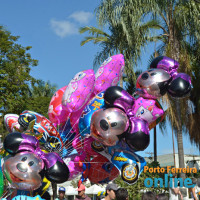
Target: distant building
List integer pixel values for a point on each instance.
(168, 160)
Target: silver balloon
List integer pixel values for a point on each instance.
(153, 83)
(22, 171)
(107, 125)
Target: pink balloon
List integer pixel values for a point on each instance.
(147, 110)
(11, 123)
(109, 73)
(57, 113)
(79, 90)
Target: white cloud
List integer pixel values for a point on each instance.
(63, 28)
(82, 17)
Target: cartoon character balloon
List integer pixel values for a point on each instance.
(27, 165)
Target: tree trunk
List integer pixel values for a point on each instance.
(155, 144)
(180, 140)
(54, 188)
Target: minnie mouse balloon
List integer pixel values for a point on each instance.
(107, 125)
(153, 83)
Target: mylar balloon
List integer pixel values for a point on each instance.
(109, 73)
(23, 171)
(138, 138)
(79, 90)
(153, 83)
(1, 179)
(107, 125)
(51, 138)
(95, 104)
(147, 110)
(11, 123)
(168, 64)
(57, 113)
(180, 86)
(102, 171)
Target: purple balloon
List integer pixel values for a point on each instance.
(168, 64)
(138, 136)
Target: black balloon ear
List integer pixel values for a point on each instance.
(12, 142)
(118, 97)
(58, 173)
(155, 61)
(138, 141)
(112, 93)
(179, 87)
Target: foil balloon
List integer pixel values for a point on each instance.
(153, 83)
(27, 164)
(180, 86)
(95, 104)
(102, 171)
(147, 110)
(109, 73)
(11, 123)
(22, 171)
(165, 63)
(24, 197)
(138, 137)
(1, 179)
(73, 163)
(57, 113)
(79, 90)
(107, 125)
(50, 136)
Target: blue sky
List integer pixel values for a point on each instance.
(51, 28)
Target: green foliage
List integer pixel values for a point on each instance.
(15, 75)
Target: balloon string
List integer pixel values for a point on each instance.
(76, 137)
(69, 130)
(80, 146)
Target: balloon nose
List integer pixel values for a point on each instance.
(104, 124)
(22, 167)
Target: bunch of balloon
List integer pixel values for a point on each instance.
(26, 165)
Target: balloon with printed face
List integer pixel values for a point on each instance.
(85, 119)
(101, 170)
(109, 73)
(50, 136)
(23, 171)
(180, 86)
(108, 124)
(147, 110)
(153, 83)
(79, 90)
(11, 123)
(57, 113)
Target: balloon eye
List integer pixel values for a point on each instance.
(142, 112)
(153, 74)
(113, 124)
(150, 70)
(24, 159)
(31, 163)
(104, 124)
(145, 76)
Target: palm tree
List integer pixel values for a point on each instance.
(178, 27)
(115, 41)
